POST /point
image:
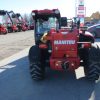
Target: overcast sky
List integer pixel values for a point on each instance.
(66, 7)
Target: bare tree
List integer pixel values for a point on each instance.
(26, 18)
(30, 19)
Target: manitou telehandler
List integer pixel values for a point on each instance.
(23, 26)
(14, 20)
(11, 27)
(61, 47)
(3, 28)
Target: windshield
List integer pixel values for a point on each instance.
(43, 26)
(4, 19)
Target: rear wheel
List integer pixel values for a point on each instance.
(92, 63)
(37, 69)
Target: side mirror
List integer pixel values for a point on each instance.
(63, 21)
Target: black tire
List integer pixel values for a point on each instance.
(92, 63)
(37, 68)
(5, 33)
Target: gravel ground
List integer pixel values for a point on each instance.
(15, 42)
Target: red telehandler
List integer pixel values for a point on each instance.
(3, 28)
(61, 47)
(11, 26)
(23, 26)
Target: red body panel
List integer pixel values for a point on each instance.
(3, 30)
(14, 27)
(64, 50)
(24, 28)
(56, 64)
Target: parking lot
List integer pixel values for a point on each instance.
(16, 82)
(15, 42)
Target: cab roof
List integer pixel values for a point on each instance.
(2, 12)
(44, 14)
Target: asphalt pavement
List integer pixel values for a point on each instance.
(16, 84)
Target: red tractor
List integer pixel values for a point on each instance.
(3, 28)
(61, 47)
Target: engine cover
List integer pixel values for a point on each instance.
(64, 50)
